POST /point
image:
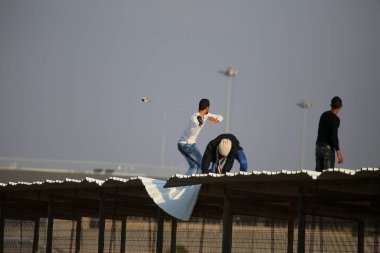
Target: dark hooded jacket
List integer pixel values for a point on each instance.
(210, 154)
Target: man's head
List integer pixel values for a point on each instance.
(204, 104)
(336, 103)
(224, 147)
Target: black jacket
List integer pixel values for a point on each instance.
(328, 130)
(210, 155)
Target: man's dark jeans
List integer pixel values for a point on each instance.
(324, 157)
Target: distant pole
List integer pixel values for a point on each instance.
(304, 105)
(163, 140)
(229, 73)
(227, 125)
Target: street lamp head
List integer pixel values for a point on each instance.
(304, 104)
(230, 71)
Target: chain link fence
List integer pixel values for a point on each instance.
(250, 234)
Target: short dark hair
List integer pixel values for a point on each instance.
(203, 104)
(336, 102)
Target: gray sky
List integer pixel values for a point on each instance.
(72, 74)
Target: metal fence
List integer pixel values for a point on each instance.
(250, 234)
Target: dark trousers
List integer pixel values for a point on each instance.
(324, 157)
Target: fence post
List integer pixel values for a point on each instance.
(2, 223)
(160, 231)
(36, 234)
(101, 224)
(290, 235)
(361, 237)
(49, 239)
(321, 234)
(301, 225)
(227, 225)
(376, 238)
(173, 244)
(78, 234)
(202, 234)
(123, 236)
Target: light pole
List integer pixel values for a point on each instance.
(304, 105)
(229, 73)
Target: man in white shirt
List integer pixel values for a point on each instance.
(187, 142)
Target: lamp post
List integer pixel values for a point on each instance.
(304, 106)
(230, 72)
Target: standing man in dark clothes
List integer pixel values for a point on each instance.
(327, 140)
(224, 149)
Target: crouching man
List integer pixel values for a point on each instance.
(221, 152)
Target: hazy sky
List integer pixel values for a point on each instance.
(72, 74)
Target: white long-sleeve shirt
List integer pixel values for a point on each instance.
(193, 129)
